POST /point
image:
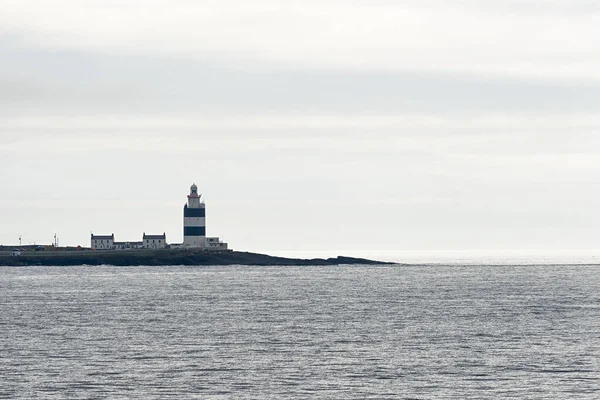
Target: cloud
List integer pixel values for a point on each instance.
(501, 39)
(88, 82)
(423, 124)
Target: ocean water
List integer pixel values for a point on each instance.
(360, 332)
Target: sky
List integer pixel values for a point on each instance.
(357, 126)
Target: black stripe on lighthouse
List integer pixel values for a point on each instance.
(194, 231)
(194, 212)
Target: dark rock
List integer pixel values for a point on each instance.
(167, 257)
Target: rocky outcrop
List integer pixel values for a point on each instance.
(168, 257)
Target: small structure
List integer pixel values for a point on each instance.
(128, 245)
(102, 242)
(214, 243)
(154, 241)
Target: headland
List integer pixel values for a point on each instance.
(153, 249)
(73, 256)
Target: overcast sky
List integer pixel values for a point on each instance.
(336, 125)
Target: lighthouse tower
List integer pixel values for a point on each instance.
(194, 220)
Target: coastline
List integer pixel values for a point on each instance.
(169, 257)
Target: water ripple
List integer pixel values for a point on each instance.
(429, 332)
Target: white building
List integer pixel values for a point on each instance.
(102, 242)
(214, 243)
(154, 241)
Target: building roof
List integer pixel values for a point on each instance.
(101, 237)
(163, 236)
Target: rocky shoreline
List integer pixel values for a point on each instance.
(168, 257)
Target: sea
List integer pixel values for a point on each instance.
(418, 331)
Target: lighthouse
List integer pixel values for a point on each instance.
(194, 220)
